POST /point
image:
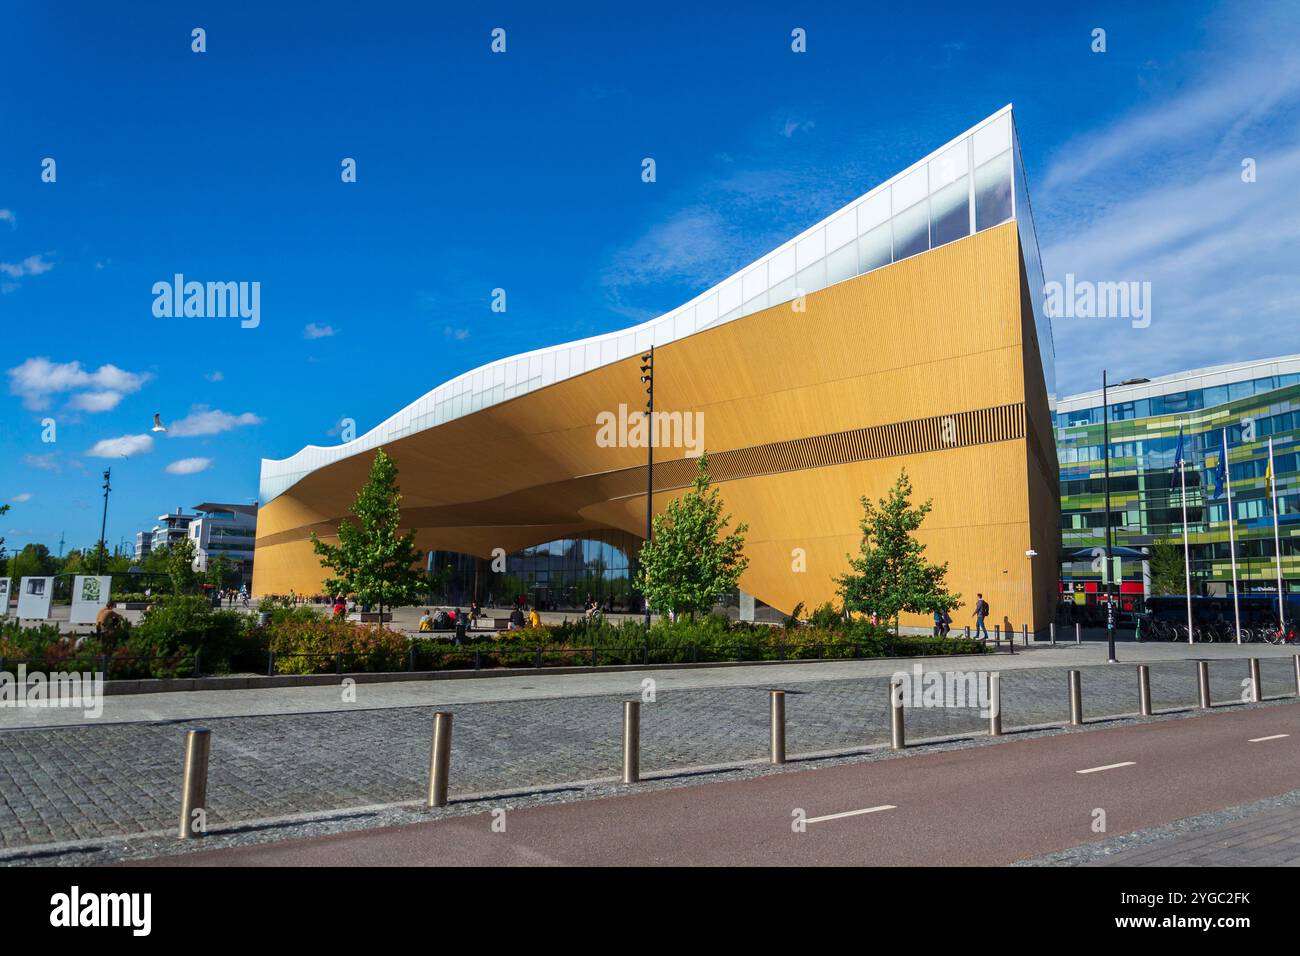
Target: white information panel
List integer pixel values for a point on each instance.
(34, 598)
(4, 596)
(89, 594)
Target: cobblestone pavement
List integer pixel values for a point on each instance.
(528, 683)
(112, 779)
(1264, 833)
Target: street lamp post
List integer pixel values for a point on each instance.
(103, 526)
(1109, 575)
(648, 380)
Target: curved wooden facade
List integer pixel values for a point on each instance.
(929, 364)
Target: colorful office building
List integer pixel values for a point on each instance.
(1252, 402)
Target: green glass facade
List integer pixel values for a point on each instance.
(1146, 504)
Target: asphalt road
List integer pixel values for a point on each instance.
(987, 805)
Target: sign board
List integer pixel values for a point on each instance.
(34, 598)
(4, 596)
(89, 594)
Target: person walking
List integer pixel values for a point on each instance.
(981, 612)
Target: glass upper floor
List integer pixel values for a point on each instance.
(972, 183)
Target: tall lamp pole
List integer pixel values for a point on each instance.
(103, 526)
(648, 380)
(1110, 565)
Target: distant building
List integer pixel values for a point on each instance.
(227, 529)
(143, 544)
(1254, 402)
(169, 529)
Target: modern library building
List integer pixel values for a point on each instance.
(905, 331)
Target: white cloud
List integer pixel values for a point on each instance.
(6, 215)
(205, 421)
(95, 401)
(458, 334)
(214, 376)
(48, 462)
(188, 466)
(793, 126)
(19, 499)
(37, 380)
(1158, 197)
(31, 266)
(314, 331)
(122, 447)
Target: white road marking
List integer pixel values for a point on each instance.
(1260, 740)
(1109, 766)
(850, 813)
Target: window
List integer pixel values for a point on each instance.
(993, 192)
(911, 231)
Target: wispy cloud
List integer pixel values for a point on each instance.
(47, 462)
(188, 466)
(7, 215)
(1158, 196)
(216, 376)
(314, 331)
(22, 497)
(30, 266)
(792, 126)
(124, 446)
(38, 380)
(209, 421)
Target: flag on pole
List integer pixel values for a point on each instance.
(1221, 473)
(1178, 458)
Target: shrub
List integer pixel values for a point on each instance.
(174, 628)
(308, 645)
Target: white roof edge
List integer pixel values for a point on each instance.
(280, 474)
(1178, 381)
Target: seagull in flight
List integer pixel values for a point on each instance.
(158, 426)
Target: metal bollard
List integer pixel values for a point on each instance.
(631, 741)
(778, 726)
(968, 638)
(997, 634)
(194, 786)
(440, 759)
(1051, 630)
(995, 705)
(1024, 634)
(896, 741)
(1144, 690)
(1076, 699)
(1203, 683)
(1297, 675)
(1256, 684)
(1078, 633)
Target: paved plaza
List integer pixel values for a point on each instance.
(285, 751)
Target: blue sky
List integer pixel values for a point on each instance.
(522, 171)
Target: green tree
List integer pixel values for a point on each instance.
(373, 560)
(691, 562)
(1167, 568)
(179, 562)
(218, 571)
(891, 573)
(34, 560)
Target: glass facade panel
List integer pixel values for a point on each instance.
(557, 575)
(842, 264)
(950, 212)
(874, 249)
(993, 192)
(911, 231)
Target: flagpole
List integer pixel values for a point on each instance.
(1232, 535)
(1277, 548)
(1187, 559)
